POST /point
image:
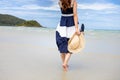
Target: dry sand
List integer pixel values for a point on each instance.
(31, 54)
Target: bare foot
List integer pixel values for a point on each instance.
(65, 67)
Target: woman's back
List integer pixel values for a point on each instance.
(68, 10)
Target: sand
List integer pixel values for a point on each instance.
(31, 54)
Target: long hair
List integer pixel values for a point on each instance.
(65, 4)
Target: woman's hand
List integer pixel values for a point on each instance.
(78, 32)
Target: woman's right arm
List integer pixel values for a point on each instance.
(75, 17)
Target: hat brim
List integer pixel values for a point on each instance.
(80, 46)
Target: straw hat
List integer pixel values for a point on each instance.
(76, 43)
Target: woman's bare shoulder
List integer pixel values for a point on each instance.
(74, 2)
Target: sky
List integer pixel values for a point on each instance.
(95, 14)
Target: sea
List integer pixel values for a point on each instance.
(104, 33)
(96, 40)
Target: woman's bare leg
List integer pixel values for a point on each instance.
(65, 63)
(63, 57)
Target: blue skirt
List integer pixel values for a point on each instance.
(64, 31)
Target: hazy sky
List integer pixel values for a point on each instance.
(96, 14)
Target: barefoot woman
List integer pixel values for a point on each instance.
(67, 27)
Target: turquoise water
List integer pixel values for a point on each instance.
(53, 29)
(97, 41)
(36, 29)
(102, 41)
(98, 34)
(114, 34)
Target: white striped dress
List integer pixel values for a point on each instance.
(65, 29)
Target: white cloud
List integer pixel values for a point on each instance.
(33, 6)
(29, 5)
(55, 6)
(97, 6)
(94, 6)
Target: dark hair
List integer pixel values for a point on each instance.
(65, 4)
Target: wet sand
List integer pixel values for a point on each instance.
(31, 54)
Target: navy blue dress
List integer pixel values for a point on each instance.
(65, 30)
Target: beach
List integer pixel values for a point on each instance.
(31, 54)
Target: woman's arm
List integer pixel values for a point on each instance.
(75, 17)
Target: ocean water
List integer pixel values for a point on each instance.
(102, 41)
(27, 35)
(97, 41)
(29, 29)
(88, 31)
(91, 33)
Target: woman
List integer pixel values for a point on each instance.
(67, 27)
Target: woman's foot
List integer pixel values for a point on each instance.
(65, 67)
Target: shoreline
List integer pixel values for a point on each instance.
(112, 29)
